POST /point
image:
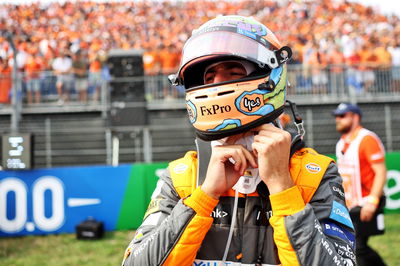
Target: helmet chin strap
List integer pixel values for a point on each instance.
(298, 120)
(277, 123)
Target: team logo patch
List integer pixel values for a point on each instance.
(333, 229)
(138, 235)
(340, 214)
(313, 168)
(222, 214)
(154, 206)
(337, 190)
(180, 168)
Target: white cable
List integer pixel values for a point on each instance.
(228, 243)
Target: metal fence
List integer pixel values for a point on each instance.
(64, 141)
(74, 133)
(331, 83)
(311, 85)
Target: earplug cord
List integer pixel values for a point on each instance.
(228, 243)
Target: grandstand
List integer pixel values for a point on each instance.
(343, 51)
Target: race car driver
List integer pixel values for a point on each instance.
(252, 194)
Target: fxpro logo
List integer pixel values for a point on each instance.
(215, 109)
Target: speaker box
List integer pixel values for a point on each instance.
(133, 114)
(125, 63)
(127, 72)
(127, 91)
(90, 229)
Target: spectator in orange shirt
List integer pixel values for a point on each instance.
(33, 68)
(316, 61)
(80, 70)
(151, 62)
(169, 60)
(354, 77)
(169, 63)
(95, 80)
(336, 61)
(5, 81)
(152, 71)
(102, 26)
(368, 62)
(361, 162)
(383, 71)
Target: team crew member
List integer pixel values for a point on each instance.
(361, 163)
(252, 194)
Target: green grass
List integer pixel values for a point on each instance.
(65, 249)
(388, 245)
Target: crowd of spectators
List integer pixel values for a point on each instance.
(71, 40)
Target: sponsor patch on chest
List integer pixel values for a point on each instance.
(340, 214)
(333, 229)
(313, 168)
(337, 190)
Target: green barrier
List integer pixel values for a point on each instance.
(392, 188)
(143, 179)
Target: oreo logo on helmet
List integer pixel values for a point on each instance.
(252, 103)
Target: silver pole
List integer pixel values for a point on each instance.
(309, 126)
(352, 95)
(136, 141)
(115, 147)
(15, 115)
(104, 98)
(147, 146)
(109, 154)
(47, 126)
(388, 128)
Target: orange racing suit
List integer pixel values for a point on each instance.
(307, 224)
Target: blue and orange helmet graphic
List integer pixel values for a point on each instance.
(222, 109)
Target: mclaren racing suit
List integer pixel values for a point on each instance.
(307, 224)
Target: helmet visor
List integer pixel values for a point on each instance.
(227, 43)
